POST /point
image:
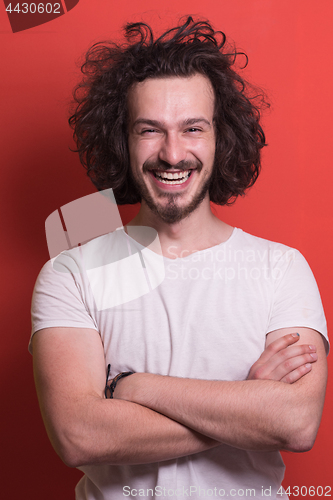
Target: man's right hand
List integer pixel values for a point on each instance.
(283, 361)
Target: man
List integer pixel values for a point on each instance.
(222, 364)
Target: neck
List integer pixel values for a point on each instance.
(198, 231)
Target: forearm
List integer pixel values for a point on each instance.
(83, 426)
(251, 414)
(160, 418)
(120, 432)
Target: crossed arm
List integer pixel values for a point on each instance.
(278, 407)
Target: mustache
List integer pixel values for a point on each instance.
(163, 165)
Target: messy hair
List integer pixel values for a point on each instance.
(100, 118)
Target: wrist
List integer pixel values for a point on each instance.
(111, 387)
(136, 388)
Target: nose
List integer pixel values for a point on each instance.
(173, 149)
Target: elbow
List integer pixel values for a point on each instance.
(72, 448)
(302, 437)
(302, 421)
(301, 444)
(80, 447)
(71, 458)
(69, 452)
(75, 456)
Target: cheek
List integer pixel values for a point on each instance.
(140, 151)
(205, 152)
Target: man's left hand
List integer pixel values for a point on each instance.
(283, 361)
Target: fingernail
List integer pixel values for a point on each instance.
(314, 356)
(312, 347)
(295, 334)
(308, 365)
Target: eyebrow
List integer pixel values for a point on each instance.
(156, 123)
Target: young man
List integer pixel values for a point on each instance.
(227, 354)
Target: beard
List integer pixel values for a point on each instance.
(171, 212)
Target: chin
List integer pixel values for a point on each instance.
(171, 213)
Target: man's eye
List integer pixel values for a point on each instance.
(148, 131)
(193, 129)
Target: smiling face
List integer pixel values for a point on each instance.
(172, 143)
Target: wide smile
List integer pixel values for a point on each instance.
(166, 179)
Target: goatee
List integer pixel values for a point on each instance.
(171, 212)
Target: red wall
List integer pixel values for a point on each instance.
(289, 44)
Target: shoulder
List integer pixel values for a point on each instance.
(296, 298)
(247, 240)
(255, 249)
(77, 260)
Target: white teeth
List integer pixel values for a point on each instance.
(170, 175)
(170, 178)
(180, 181)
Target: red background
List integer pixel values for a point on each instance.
(289, 44)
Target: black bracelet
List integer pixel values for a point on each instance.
(111, 388)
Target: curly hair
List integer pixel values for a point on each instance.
(101, 115)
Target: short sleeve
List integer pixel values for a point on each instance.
(296, 301)
(60, 299)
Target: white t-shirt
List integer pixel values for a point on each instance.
(203, 316)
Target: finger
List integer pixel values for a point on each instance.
(295, 375)
(290, 357)
(278, 345)
(283, 362)
(292, 364)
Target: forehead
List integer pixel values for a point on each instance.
(171, 97)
